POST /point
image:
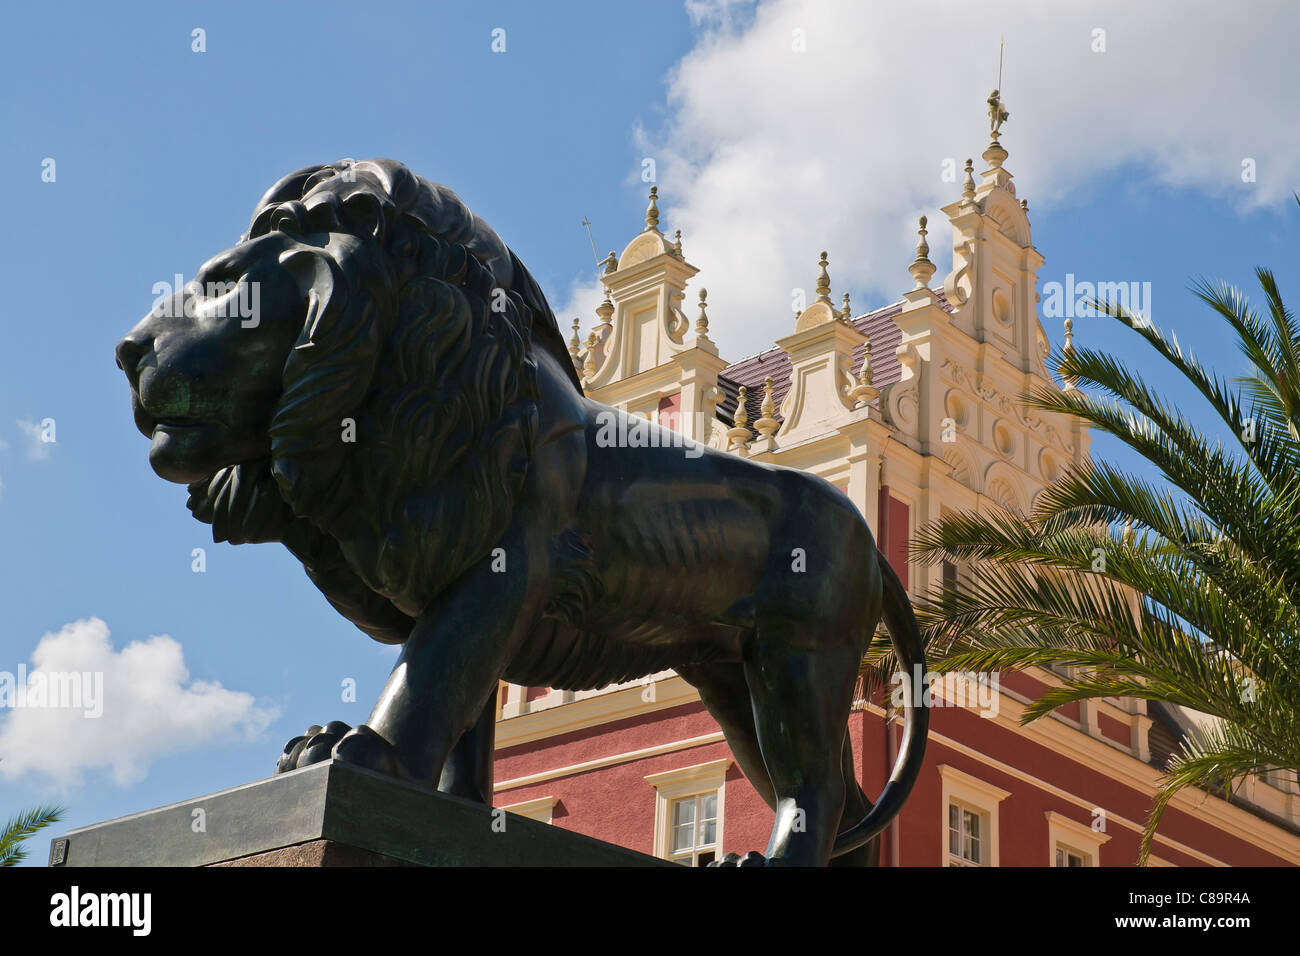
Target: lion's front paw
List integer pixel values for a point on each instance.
(749, 859)
(365, 748)
(358, 745)
(316, 745)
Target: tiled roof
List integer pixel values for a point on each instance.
(750, 372)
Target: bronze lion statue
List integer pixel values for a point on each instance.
(398, 408)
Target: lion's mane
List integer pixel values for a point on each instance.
(417, 346)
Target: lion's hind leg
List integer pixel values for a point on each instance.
(725, 692)
(801, 696)
(856, 806)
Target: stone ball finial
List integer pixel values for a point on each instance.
(702, 323)
(968, 183)
(652, 210)
(846, 313)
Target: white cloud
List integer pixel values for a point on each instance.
(38, 449)
(769, 156)
(150, 709)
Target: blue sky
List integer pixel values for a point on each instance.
(1131, 166)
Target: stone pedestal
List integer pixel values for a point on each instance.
(332, 814)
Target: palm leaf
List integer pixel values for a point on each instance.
(23, 826)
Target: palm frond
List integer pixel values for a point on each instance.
(23, 826)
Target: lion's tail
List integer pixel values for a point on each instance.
(909, 649)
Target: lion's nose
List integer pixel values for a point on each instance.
(129, 352)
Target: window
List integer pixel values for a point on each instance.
(1068, 856)
(949, 577)
(1071, 843)
(689, 812)
(967, 836)
(970, 819)
(694, 837)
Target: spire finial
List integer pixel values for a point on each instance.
(1071, 381)
(702, 323)
(605, 311)
(741, 418)
(767, 425)
(824, 281)
(846, 313)
(739, 434)
(652, 210)
(865, 392)
(589, 367)
(575, 346)
(677, 243)
(968, 184)
(922, 269)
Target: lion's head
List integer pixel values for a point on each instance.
(355, 375)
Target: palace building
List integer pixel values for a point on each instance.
(912, 411)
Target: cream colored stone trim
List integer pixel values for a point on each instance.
(540, 809)
(1070, 834)
(593, 711)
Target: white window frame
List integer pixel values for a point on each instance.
(690, 856)
(985, 834)
(1073, 836)
(691, 781)
(970, 793)
(542, 809)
